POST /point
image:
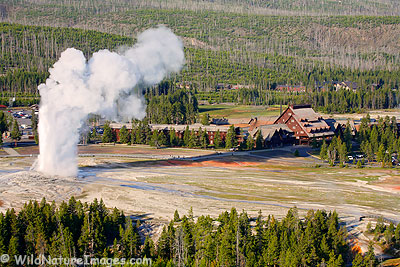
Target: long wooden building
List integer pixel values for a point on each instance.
(179, 129)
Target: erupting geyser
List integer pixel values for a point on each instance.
(106, 84)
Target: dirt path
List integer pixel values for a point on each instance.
(10, 151)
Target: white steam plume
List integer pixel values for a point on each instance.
(106, 85)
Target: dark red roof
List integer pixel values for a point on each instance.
(2, 106)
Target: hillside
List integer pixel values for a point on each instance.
(256, 52)
(28, 51)
(262, 7)
(361, 42)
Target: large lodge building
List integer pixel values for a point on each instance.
(296, 125)
(305, 123)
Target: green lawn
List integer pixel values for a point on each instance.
(238, 111)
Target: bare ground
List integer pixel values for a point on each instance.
(270, 181)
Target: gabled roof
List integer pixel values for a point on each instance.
(268, 131)
(255, 123)
(306, 114)
(311, 122)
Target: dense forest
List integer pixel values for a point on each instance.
(28, 51)
(168, 106)
(74, 229)
(379, 140)
(231, 55)
(364, 42)
(376, 140)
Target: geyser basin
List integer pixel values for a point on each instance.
(23, 186)
(105, 85)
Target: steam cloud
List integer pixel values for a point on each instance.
(106, 85)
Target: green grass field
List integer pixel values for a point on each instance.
(238, 111)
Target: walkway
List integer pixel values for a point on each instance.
(11, 151)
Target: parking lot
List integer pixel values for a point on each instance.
(23, 117)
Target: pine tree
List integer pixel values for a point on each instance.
(3, 126)
(148, 248)
(217, 139)
(193, 139)
(359, 164)
(397, 233)
(34, 122)
(15, 133)
(176, 216)
(369, 258)
(332, 151)
(204, 139)
(3, 123)
(205, 119)
(243, 145)
(107, 134)
(130, 240)
(259, 140)
(154, 141)
(271, 254)
(358, 261)
(324, 151)
(173, 139)
(13, 250)
(163, 246)
(342, 150)
(124, 135)
(186, 136)
(374, 139)
(348, 137)
(230, 140)
(133, 134)
(163, 139)
(369, 152)
(250, 142)
(380, 156)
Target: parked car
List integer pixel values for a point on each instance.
(350, 157)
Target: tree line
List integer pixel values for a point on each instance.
(75, 229)
(166, 105)
(380, 140)
(141, 133)
(27, 52)
(279, 7)
(377, 140)
(31, 50)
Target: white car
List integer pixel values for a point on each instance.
(350, 157)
